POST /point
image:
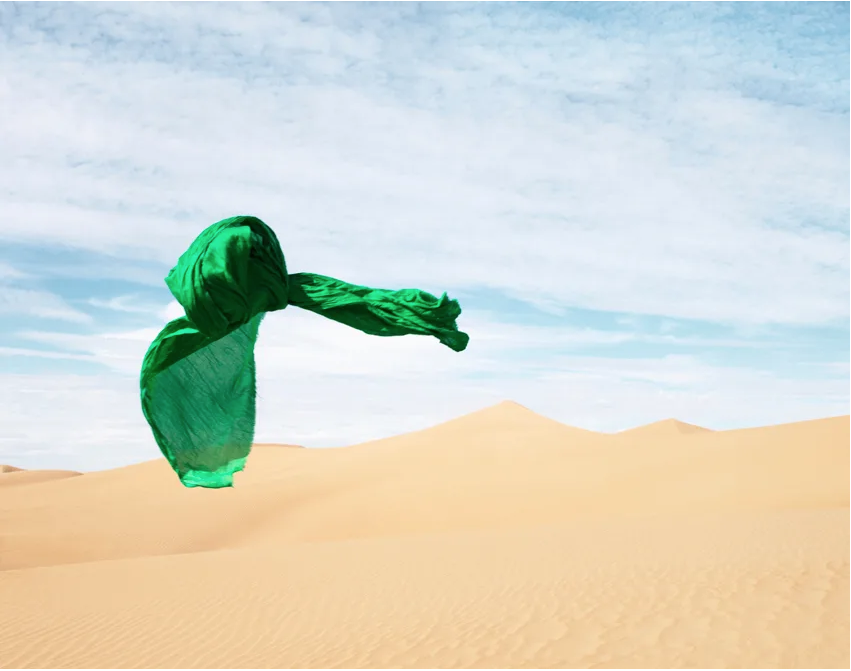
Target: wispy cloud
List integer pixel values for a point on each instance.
(7, 272)
(664, 186)
(130, 304)
(29, 302)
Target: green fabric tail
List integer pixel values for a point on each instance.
(379, 312)
(198, 380)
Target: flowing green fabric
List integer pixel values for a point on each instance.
(198, 379)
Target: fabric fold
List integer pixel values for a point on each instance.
(198, 379)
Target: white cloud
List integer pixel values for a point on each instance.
(121, 352)
(298, 341)
(322, 384)
(21, 302)
(7, 272)
(95, 421)
(45, 354)
(659, 161)
(131, 304)
(596, 205)
(172, 311)
(71, 421)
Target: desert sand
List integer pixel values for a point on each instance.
(501, 539)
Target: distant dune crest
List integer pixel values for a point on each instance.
(10, 476)
(667, 427)
(505, 412)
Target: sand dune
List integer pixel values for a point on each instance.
(498, 539)
(667, 427)
(11, 476)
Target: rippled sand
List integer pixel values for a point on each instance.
(500, 539)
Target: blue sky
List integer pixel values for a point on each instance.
(643, 208)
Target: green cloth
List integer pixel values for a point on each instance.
(198, 381)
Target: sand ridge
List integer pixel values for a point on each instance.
(12, 477)
(666, 427)
(498, 539)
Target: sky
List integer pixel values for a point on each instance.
(643, 208)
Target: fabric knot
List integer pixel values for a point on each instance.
(232, 272)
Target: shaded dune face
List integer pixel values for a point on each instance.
(497, 539)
